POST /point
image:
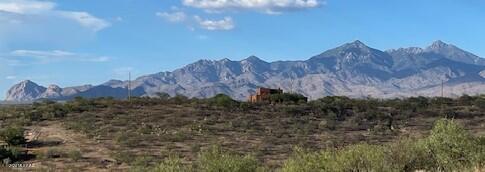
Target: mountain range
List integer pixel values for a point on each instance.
(353, 69)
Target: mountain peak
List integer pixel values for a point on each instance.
(53, 87)
(356, 44)
(437, 45)
(27, 82)
(253, 59)
(24, 91)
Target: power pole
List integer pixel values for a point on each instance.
(442, 89)
(129, 86)
(442, 98)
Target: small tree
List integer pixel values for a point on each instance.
(287, 98)
(451, 146)
(223, 100)
(163, 95)
(215, 159)
(480, 103)
(13, 135)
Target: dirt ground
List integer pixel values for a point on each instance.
(53, 136)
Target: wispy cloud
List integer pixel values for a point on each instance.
(26, 6)
(41, 22)
(35, 8)
(26, 57)
(177, 16)
(11, 77)
(224, 24)
(266, 6)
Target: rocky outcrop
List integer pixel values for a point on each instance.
(25, 91)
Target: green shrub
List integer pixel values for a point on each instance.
(408, 155)
(163, 96)
(123, 156)
(448, 148)
(451, 146)
(11, 153)
(480, 142)
(303, 161)
(54, 153)
(172, 164)
(142, 163)
(362, 157)
(13, 135)
(222, 100)
(288, 98)
(75, 155)
(215, 159)
(179, 99)
(480, 103)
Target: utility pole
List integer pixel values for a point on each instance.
(129, 86)
(442, 89)
(442, 98)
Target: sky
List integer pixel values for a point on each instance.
(76, 42)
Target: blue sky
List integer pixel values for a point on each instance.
(73, 42)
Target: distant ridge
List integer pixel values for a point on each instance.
(353, 69)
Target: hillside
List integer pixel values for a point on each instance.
(105, 134)
(353, 69)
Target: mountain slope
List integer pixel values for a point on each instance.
(353, 69)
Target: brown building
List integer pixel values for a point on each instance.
(263, 94)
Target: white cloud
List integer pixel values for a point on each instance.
(11, 77)
(99, 59)
(26, 6)
(35, 22)
(35, 8)
(25, 57)
(177, 16)
(85, 20)
(267, 6)
(225, 24)
(55, 54)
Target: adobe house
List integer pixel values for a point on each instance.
(263, 94)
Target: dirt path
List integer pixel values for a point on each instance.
(50, 135)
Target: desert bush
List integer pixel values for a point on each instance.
(465, 100)
(13, 135)
(163, 96)
(215, 159)
(362, 157)
(480, 103)
(127, 139)
(123, 157)
(50, 153)
(288, 98)
(303, 161)
(451, 147)
(142, 163)
(408, 155)
(75, 155)
(222, 100)
(480, 142)
(172, 164)
(9, 154)
(179, 99)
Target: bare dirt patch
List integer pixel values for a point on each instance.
(50, 138)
